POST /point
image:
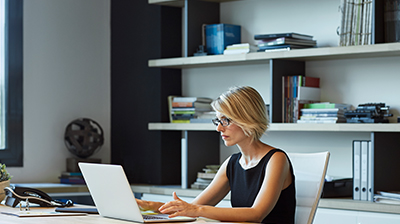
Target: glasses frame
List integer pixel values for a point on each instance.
(223, 121)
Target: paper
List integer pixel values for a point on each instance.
(40, 214)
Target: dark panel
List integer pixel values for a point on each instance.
(280, 68)
(203, 149)
(199, 13)
(386, 160)
(12, 155)
(378, 33)
(140, 32)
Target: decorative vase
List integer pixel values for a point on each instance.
(3, 184)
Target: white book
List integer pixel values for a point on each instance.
(356, 169)
(342, 23)
(309, 93)
(371, 190)
(364, 171)
(350, 7)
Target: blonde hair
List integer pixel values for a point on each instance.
(246, 108)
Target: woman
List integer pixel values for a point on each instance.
(260, 177)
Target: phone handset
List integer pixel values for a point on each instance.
(14, 196)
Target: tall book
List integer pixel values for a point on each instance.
(297, 91)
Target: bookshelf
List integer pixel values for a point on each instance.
(323, 53)
(341, 127)
(287, 63)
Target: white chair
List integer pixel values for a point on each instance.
(309, 170)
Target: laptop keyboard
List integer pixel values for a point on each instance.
(153, 217)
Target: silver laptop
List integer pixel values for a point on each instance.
(113, 195)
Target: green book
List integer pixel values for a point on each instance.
(327, 106)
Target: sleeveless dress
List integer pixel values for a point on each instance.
(245, 185)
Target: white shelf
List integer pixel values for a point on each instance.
(343, 127)
(180, 3)
(309, 54)
(334, 203)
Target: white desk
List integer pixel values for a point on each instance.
(87, 219)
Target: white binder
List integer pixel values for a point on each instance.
(356, 169)
(364, 171)
(370, 193)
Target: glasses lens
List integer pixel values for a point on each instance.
(224, 122)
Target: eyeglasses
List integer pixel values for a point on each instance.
(224, 121)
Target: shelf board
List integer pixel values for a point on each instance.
(180, 3)
(343, 127)
(330, 203)
(308, 54)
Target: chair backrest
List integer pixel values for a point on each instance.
(309, 170)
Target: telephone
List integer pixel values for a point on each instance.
(16, 194)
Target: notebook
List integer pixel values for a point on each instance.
(113, 196)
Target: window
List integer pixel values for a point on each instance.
(11, 82)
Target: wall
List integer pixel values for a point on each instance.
(66, 76)
(352, 81)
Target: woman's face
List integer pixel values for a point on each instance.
(231, 134)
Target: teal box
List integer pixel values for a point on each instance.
(218, 36)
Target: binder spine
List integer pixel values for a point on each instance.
(370, 193)
(356, 169)
(364, 170)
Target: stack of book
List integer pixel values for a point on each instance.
(204, 178)
(283, 41)
(71, 178)
(323, 113)
(297, 91)
(392, 197)
(189, 109)
(243, 48)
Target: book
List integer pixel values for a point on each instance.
(285, 41)
(275, 35)
(184, 109)
(322, 110)
(72, 174)
(284, 46)
(327, 105)
(295, 95)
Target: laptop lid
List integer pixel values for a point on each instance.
(112, 193)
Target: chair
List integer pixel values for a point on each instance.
(309, 170)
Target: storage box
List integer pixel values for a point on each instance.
(338, 188)
(218, 36)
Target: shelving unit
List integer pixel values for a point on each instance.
(311, 54)
(383, 136)
(341, 127)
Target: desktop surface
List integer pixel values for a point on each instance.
(86, 219)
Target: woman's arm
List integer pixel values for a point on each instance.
(213, 194)
(276, 179)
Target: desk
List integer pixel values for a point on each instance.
(88, 219)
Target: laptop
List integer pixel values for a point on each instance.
(113, 195)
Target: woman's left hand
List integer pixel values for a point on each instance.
(178, 207)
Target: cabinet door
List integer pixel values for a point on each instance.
(375, 217)
(335, 216)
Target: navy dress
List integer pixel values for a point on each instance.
(245, 185)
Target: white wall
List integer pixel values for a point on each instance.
(352, 81)
(66, 76)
